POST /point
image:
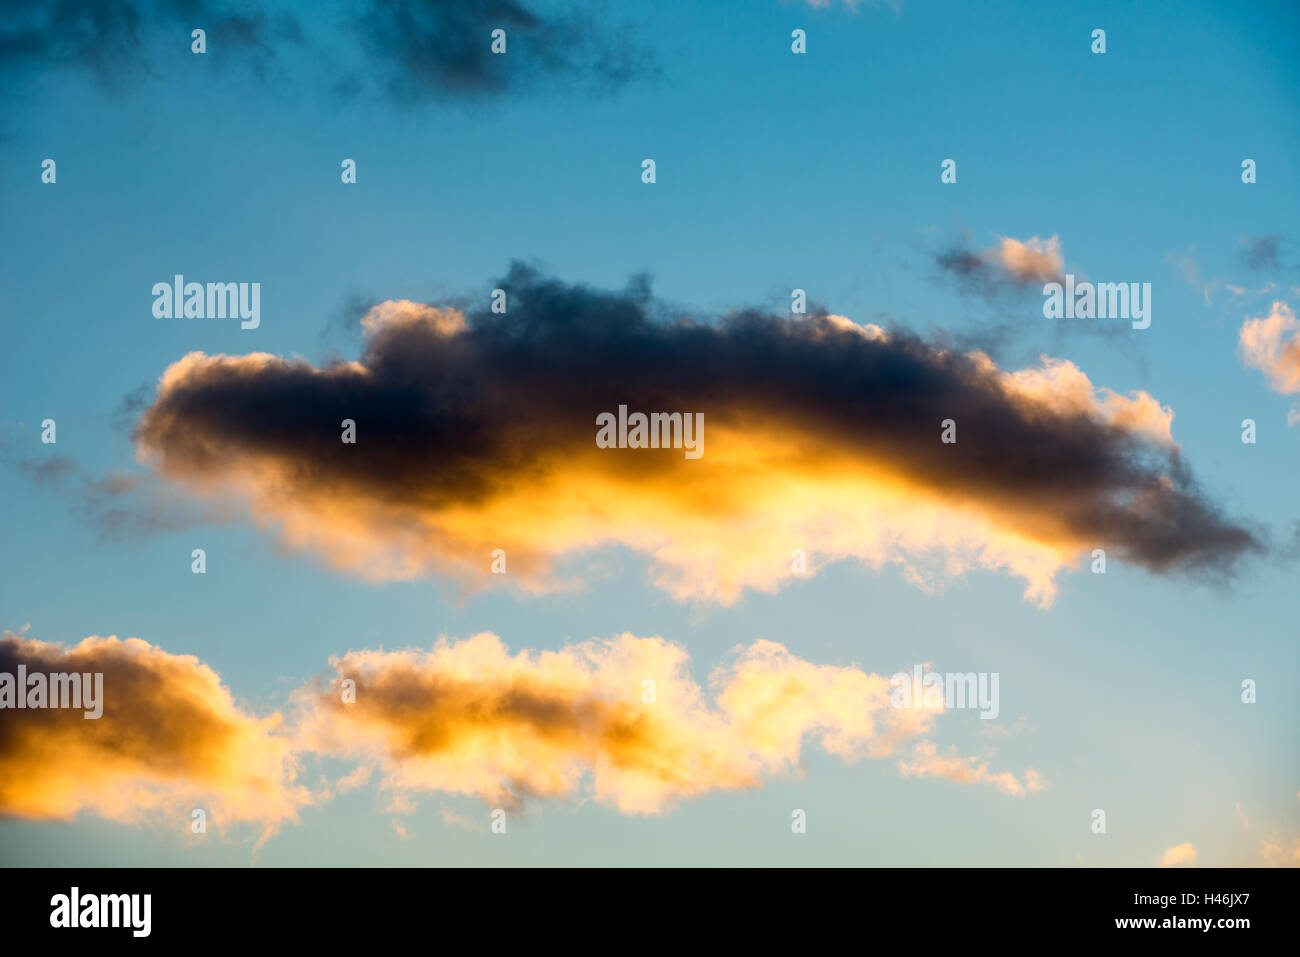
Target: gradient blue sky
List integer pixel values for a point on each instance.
(774, 171)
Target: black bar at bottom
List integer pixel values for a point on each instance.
(302, 906)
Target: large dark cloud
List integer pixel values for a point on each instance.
(459, 416)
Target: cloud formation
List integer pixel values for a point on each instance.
(620, 721)
(926, 761)
(108, 40)
(1278, 853)
(415, 49)
(1010, 262)
(623, 714)
(1184, 853)
(476, 432)
(1190, 269)
(1261, 252)
(170, 739)
(435, 48)
(1271, 344)
(117, 505)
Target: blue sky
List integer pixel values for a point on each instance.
(774, 171)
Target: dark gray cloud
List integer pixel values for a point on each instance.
(969, 269)
(415, 49)
(442, 48)
(458, 416)
(98, 37)
(114, 41)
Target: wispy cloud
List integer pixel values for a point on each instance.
(927, 761)
(1261, 252)
(120, 505)
(110, 41)
(413, 49)
(1189, 268)
(442, 48)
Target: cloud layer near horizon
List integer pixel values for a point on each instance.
(476, 432)
(620, 720)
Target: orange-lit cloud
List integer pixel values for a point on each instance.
(478, 432)
(1034, 259)
(1272, 344)
(1184, 853)
(170, 739)
(1009, 262)
(926, 761)
(1280, 852)
(620, 721)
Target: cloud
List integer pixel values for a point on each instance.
(926, 761)
(1262, 252)
(1189, 268)
(619, 720)
(1034, 260)
(438, 48)
(453, 818)
(1279, 852)
(1010, 262)
(117, 505)
(1179, 854)
(477, 432)
(109, 40)
(415, 49)
(170, 739)
(1271, 344)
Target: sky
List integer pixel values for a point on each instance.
(502, 718)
